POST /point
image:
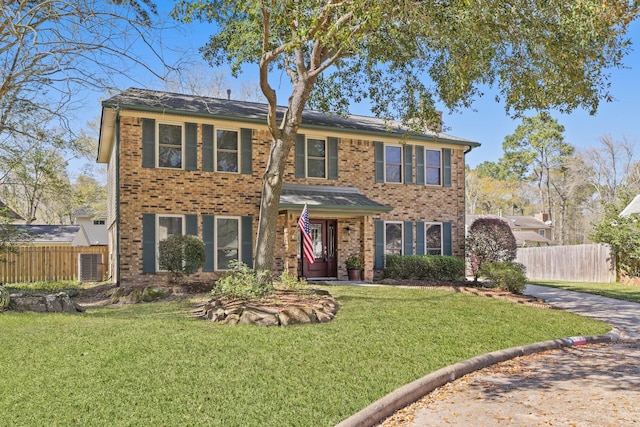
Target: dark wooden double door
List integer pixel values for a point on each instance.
(324, 237)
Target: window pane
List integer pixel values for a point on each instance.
(228, 140)
(434, 239)
(432, 176)
(393, 173)
(393, 237)
(169, 157)
(227, 236)
(227, 161)
(316, 148)
(168, 226)
(432, 158)
(393, 154)
(316, 169)
(170, 134)
(315, 230)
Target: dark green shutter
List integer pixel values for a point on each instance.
(148, 243)
(446, 163)
(333, 157)
(247, 151)
(419, 165)
(408, 238)
(446, 239)
(191, 225)
(148, 143)
(247, 240)
(207, 148)
(191, 146)
(408, 164)
(300, 156)
(378, 150)
(420, 238)
(208, 238)
(378, 263)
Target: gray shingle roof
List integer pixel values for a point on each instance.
(193, 105)
(51, 234)
(322, 198)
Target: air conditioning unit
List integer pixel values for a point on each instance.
(90, 267)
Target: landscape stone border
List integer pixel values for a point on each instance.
(284, 308)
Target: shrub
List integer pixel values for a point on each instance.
(4, 298)
(506, 275)
(242, 282)
(181, 255)
(290, 281)
(489, 240)
(424, 267)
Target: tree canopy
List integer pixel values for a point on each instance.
(402, 56)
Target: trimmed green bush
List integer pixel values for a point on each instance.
(181, 255)
(424, 267)
(506, 275)
(242, 283)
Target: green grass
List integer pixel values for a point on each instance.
(611, 290)
(149, 364)
(55, 286)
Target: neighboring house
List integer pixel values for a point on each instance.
(93, 229)
(10, 213)
(50, 235)
(194, 165)
(632, 208)
(529, 231)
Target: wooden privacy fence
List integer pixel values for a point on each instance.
(577, 263)
(47, 263)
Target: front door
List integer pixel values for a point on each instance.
(323, 234)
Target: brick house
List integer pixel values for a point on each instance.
(190, 164)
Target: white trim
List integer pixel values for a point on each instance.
(217, 235)
(157, 232)
(238, 148)
(306, 156)
(182, 144)
(426, 228)
(384, 163)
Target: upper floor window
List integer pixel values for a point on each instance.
(393, 238)
(227, 242)
(98, 222)
(433, 238)
(170, 146)
(227, 151)
(433, 167)
(393, 163)
(541, 232)
(316, 158)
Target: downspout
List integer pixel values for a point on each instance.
(117, 184)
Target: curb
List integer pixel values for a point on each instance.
(407, 394)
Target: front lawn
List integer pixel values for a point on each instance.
(149, 364)
(610, 290)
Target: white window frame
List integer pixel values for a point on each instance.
(401, 238)
(158, 216)
(401, 163)
(215, 148)
(182, 145)
(215, 243)
(542, 232)
(307, 157)
(427, 167)
(426, 240)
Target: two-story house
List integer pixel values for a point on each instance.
(191, 164)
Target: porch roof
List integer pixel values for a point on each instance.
(329, 200)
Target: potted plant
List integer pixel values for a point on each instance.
(354, 264)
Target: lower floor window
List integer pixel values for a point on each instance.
(433, 238)
(166, 227)
(227, 242)
(393, 238)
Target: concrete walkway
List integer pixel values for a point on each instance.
(550, 384)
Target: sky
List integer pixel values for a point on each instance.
(486, 122)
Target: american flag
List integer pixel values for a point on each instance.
(307, 244)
